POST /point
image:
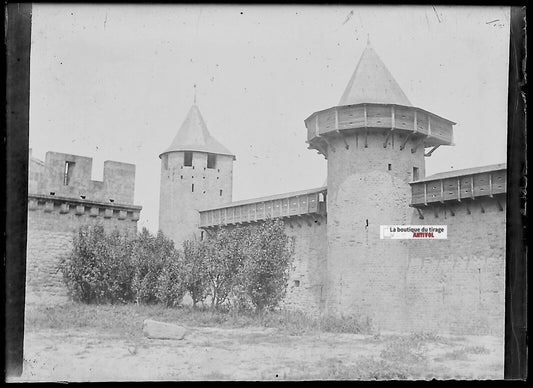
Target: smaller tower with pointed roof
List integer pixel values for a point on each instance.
(196, 173)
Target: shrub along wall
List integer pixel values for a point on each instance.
(243, 267)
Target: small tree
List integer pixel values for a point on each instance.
(171, 285)
(266, 270)
(194, 266)
(224, 258)
(150, 254)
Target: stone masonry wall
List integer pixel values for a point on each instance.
(306, 290)
(364, 192)
(457, 285)
(179, 204)
(51, 228)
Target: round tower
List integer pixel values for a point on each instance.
(196, 173)
(374, 141)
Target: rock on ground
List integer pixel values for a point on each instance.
(161, 330)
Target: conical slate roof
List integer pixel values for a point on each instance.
(194, 136)
(372, 82)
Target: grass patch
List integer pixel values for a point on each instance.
(217, 376)
(411, 349)
(364, 368)
(461, 354)
(477, 350)
(297, 322)
(128, 319)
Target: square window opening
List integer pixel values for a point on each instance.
(415, 173)
(211, 161)
(187, 159)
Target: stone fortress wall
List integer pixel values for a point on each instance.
(376, 144)
(59, 203)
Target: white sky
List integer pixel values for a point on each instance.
(115, 82)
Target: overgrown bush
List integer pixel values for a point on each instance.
(171, 281)
(113, 267)
(151, 257)
(98, 269)
(265, 273)
(226, 251)
(240, 268)
(194, 266)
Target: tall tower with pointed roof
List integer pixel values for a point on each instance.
(374, 141)
(196, 173)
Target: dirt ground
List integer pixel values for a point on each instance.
(208, 353)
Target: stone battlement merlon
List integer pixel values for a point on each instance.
(468, 184)
(65, 205)
(310, 203)
(70, 176)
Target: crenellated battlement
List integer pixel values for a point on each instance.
(69, 175)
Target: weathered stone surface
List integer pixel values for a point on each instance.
(162, 330)
(54, 219)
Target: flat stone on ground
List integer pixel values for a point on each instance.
(162, 330)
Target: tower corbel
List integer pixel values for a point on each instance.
(405, 141)
(451, 211)
(328, 143)
(341, 135)
(387, 138)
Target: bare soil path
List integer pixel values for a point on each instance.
(253, 353)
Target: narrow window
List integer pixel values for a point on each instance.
(202, 235)
(181, 176)
(211, 161)
(415, 173)
(296, 283)
(165, 162)
(69, 167)
(389, 167)
(187, 159)
(220, 193)
(192, 188)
